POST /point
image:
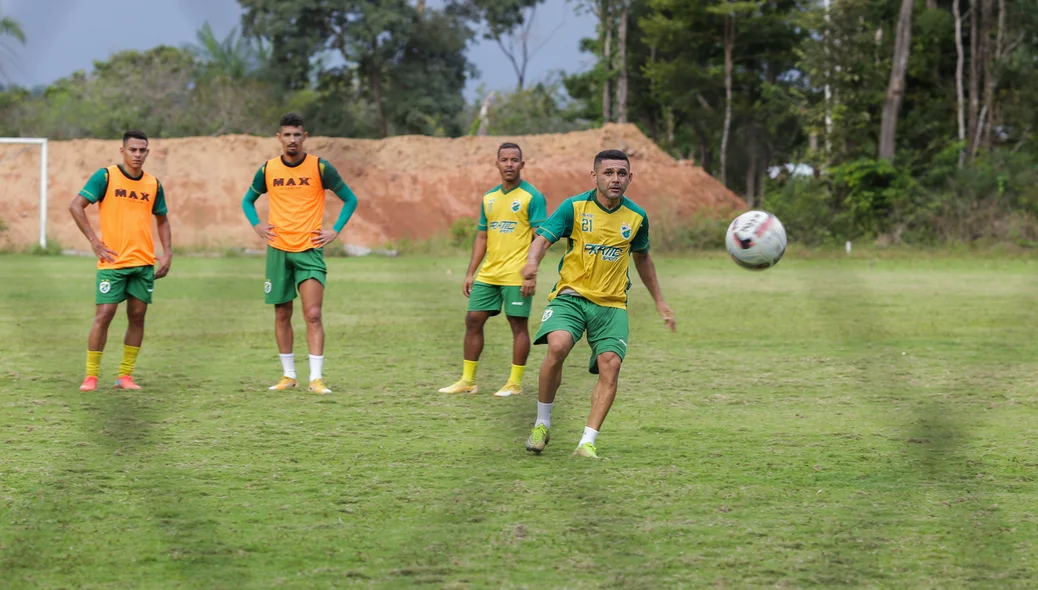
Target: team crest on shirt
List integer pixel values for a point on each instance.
(516, 205)
(625, 231)
(104, 287)
(266, 287)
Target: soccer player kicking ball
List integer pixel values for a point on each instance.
(603, 227)
(127, 198)
(295, 183)
(508, 216)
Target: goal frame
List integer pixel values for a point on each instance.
(42, 142)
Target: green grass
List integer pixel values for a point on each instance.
(829, 423)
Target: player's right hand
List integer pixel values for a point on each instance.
(104, 253)
(466, 287)
(530, 271)
(265, 231)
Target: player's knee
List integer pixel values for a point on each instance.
(135, 316)
(608, 365)
(474, 321)
(559, 346)
(105, 314)
(282, 313)
(519, 326)
(313, 315)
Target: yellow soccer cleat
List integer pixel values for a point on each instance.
(318, 386)
(461, 387)
(285, 383)
(587, 450)
(509, 389)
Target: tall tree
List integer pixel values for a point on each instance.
(960, 97)
(896, 86)
(621, 60)
(510, 23)
(12, 29)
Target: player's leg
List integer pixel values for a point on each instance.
(279, 291)
(608, 332)
(562, 325)
(110, 291)
(140, 282)
(517, 308)
(484, 303)
(309, 273)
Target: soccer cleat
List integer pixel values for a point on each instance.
(126, 382)
(461, 386)
(586, 450)
(538, 439)
(318, 386)
(283, 384)
(89, 384)
(509, 389)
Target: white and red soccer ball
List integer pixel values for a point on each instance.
(756, 240)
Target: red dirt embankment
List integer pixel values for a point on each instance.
(409, 187)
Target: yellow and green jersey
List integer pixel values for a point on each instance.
(595, 265)
(125, 206)
(509, 218)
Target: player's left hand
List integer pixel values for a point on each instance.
(323, 237)
(529, 287)
(164, 263)
(668, 316)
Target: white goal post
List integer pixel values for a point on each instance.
(42, 142)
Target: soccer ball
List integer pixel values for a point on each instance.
(756, 240)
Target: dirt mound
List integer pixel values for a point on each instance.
(409, 187)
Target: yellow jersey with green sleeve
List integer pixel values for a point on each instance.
(510, 219)
(600, 241)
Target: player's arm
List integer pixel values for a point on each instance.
(479, 251)
(165, 233)
(331, 180)
(93, 192)
(248, 204)
(558, 226)
(647, 272)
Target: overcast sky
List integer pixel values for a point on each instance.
(68, 35)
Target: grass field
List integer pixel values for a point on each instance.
(855, 423)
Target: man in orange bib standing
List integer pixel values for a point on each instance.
(295, 183)
(127, 198)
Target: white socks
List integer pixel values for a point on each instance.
(288, 365)
(316, 364)
(543, 415)
(589, 436)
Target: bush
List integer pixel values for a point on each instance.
(463, 232)
(53, 248)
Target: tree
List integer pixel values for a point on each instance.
(896, 86)
(235, 56)
(509, 23)
(10, 29)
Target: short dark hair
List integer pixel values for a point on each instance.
(611, 155)
(134, 134)
(292, 120)
(510, 146)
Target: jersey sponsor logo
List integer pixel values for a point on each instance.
(123, 193)
(104, 287)
(266, 286)
(608, 253)
(516, 205)
(304, 181)
(505, 227)
(625, 231)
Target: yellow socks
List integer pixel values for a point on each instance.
(517, 374)
(129, 359)
(94, 362)
(469, 373)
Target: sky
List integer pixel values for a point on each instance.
(68, 35)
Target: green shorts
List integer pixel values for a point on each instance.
(607, 328)
(114, 285)
(285, 270)
(489, 298)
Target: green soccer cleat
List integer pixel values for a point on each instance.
(538, 439)
(586, 450)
